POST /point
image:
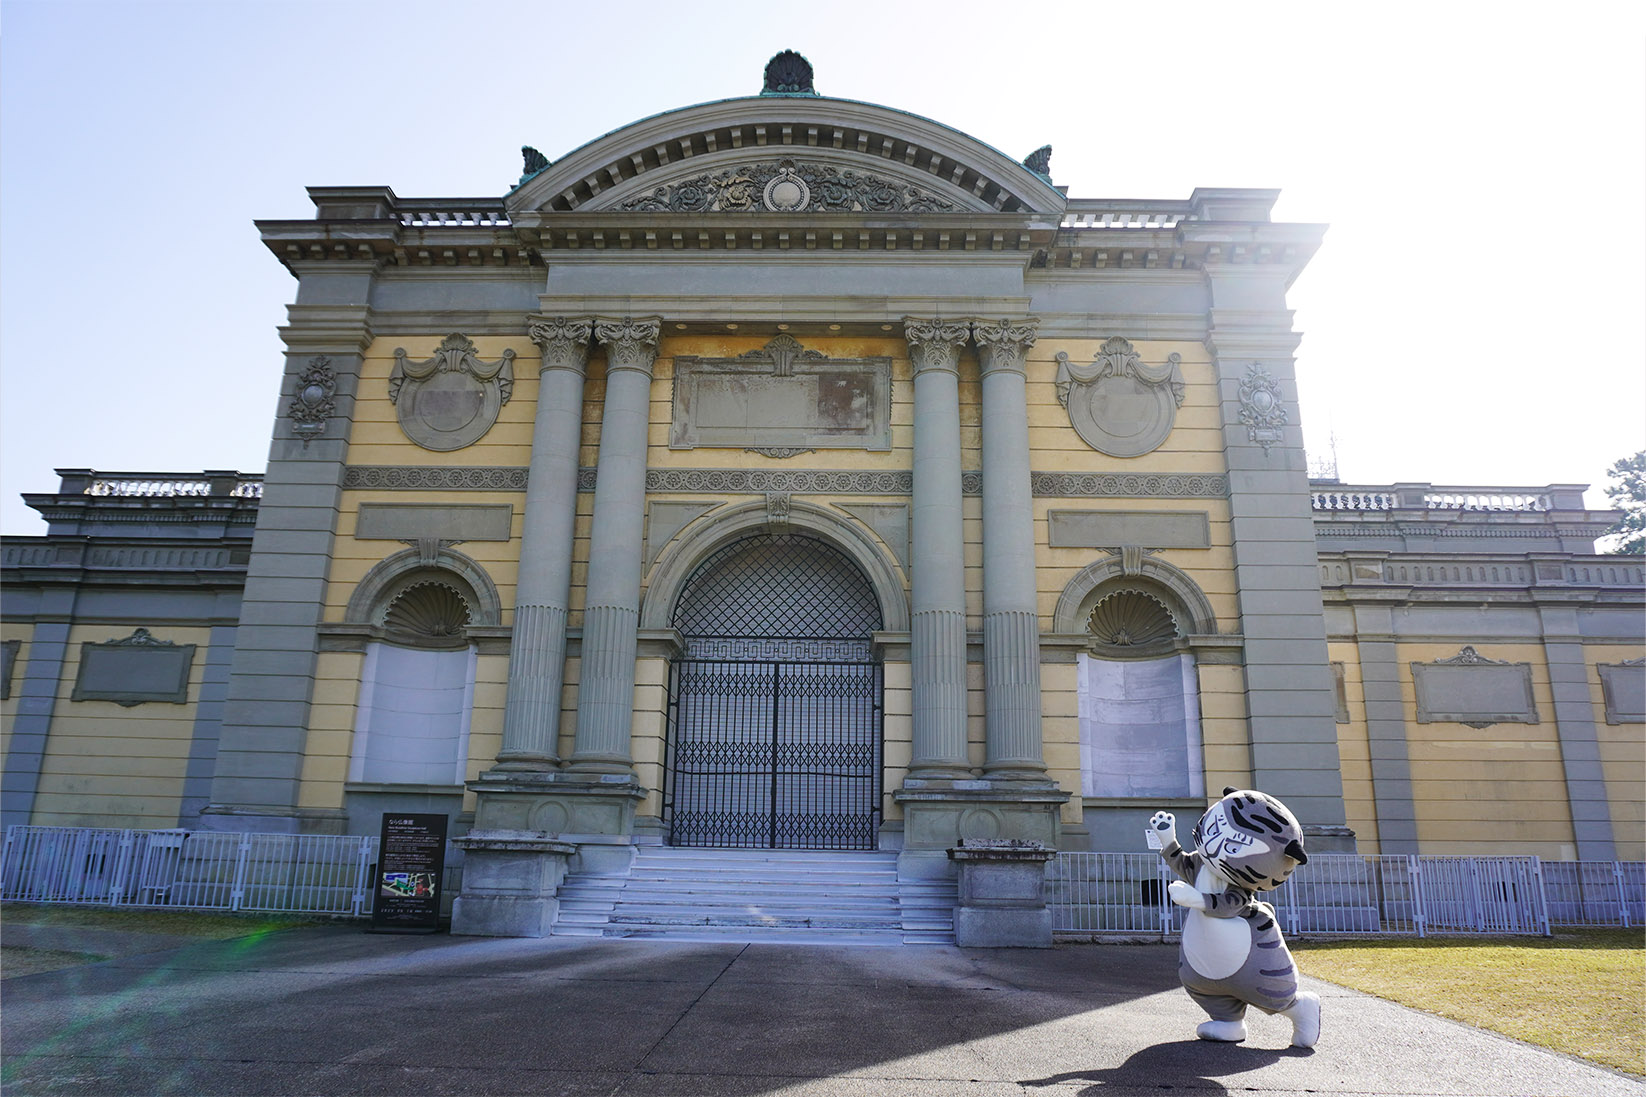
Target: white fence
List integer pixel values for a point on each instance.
(196, 870)
(1118, 894)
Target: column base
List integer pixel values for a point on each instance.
(556, 803)
(938, 815)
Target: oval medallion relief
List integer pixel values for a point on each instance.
(1117, 404)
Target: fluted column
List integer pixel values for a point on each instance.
(1011, 624)
(611, 615)
(537, 653)
(937, 639)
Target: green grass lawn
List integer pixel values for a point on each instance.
(181, 924)
(1582, 992)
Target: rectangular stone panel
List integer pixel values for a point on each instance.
(1474, 693)
(8, 663)
(447, 521)
(1624, 687)
(788, 402)
(1112, 528)
(134, 673)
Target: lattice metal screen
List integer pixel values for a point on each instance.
(775, 711)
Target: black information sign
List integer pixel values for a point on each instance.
(411, 860)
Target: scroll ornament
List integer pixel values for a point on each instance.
(1120, 405)
(450, 400)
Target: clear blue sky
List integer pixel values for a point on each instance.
(1474, 318)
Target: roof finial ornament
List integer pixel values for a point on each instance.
(535, 162)
(788, 73)
(1040, 161)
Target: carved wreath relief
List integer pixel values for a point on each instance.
(1118, 404)
(450, 400)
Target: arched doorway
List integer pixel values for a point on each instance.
(775, 706)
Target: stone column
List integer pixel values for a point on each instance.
(605, 696)
(937, 639)
(537, 653)
(1011, 623)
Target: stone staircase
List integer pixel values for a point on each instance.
(772, 896)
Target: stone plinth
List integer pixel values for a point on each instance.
(1002, 894)
(510, 880)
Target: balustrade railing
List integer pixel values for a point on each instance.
(163, 485)
(451, 213)
(1429, 497)
(1105, 213)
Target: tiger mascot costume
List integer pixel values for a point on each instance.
(1233, 955)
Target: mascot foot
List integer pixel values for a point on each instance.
(1229, 1032)
(1305, 1015)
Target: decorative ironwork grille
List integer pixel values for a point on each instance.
(775, 711)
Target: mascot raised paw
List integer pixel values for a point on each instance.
(1233, 955)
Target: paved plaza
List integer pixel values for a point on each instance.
(334, 1010)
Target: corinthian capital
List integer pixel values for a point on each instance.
(630, 344)
(564, 342)
(1003, 344)
(935, 344)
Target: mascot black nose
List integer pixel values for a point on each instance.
(1294, 850)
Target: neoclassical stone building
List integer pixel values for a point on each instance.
(795, 472)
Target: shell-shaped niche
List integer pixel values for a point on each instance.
(1131, 618)
(427, 613)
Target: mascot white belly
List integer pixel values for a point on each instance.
(1215, 947)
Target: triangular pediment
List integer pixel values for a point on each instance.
(786, 155)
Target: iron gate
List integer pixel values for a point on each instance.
(775, 708)
(774, 755)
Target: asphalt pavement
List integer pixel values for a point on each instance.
(334, 1010)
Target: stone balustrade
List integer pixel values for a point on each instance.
(1480, 570)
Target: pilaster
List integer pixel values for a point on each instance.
(1386, 730)
(36, 704)
(1288, 680)
(1575, 724)
(256, 782)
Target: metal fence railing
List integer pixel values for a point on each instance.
(1098, 894)
(198, 870)
(1090, 894)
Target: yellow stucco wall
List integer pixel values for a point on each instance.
(110, 766)
(1493, 790)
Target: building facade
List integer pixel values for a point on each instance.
(796, 472)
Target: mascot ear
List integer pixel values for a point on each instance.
(1294, 850)
(1229, 790)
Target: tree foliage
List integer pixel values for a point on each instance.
(1627, 491)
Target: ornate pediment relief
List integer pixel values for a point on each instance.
(790, 186)
(784, 153)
